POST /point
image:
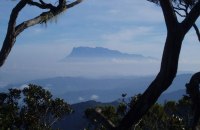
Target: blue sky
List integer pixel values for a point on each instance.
(131, 26)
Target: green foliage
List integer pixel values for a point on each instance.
(170, 116)
(157, 119)
(31, 108)
(109, 111)
(121, 109)
(9, 110)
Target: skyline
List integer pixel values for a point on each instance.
(132, 27)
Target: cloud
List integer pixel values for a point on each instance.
(128, 34)
(3, 84)
(94, 97)
(131, 26)
(23, 86)
(128, 10)
(134, 61)
(48, 85)
(81, 98)
(46, 88)
(37, 30)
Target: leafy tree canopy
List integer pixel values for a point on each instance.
(169, 116)
(31, 108)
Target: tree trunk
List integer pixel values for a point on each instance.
(192, 89)
(163, 80)
(11, 36)
(175, 34)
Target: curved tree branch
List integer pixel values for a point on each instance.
(185, 9)
(197, 31)
(192, 16)
(13, 31)
(41, 5)
(181, 9)
(182, 15)
(10, 36)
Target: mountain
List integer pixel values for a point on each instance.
(77, 120)
(100, 52)
(172, 96)
(78, 89)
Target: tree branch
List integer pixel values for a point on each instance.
(179, 8)
(41, 5)
(13, 31)
(180, 14)
(185, 9)
(181, 3)
(45, 16)
(10, 36)
(54, 121)
(190, 19)
(73, 3)
(197, 31)
(96, 114)
(169, 14)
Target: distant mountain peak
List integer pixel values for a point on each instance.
(100, 52)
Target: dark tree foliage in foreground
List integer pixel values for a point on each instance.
(192, 88)
(31, 108)
(169, 116)
(50, 10)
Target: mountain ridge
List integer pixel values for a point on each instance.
(77, 89)
(101, 52)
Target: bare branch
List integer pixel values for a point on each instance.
(181, 3)
(97, 115)
(197, 31)
(54, 121)
(178, 8)
(191, 18)
(41, 5)
(180, 14)
(13, 31)
(73, 3)
(10, 36)
(42, 2)
(185, 9)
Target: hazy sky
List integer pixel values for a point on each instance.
(132, 26)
